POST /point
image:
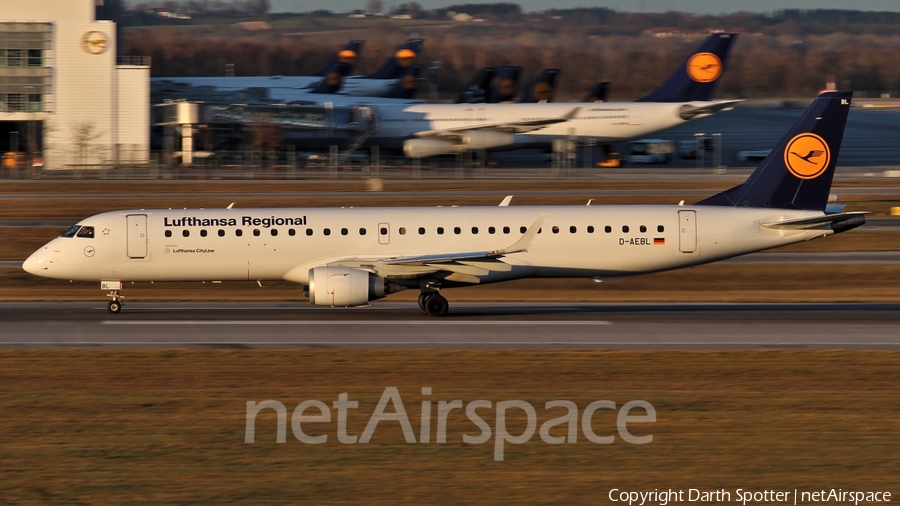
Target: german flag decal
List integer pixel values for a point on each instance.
(658, 241)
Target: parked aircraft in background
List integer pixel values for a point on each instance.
(376, 84)
(351, 256)
(424, 130)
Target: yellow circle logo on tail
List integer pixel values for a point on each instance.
(95, 42)
(807, 156)
(542, 91)
(347, 56)
(410, 82)
(333, 79)
(507, 87)
(704, 67)
(405, 57)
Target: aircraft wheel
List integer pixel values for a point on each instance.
(423, 297)
(114, 306)
(436, 305)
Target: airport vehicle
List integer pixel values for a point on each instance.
(646, 151)
(423, 130)
(373, 85)
(351, 256)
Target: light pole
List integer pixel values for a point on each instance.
(30, 126)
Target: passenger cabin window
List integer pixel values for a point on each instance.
(71, 231)
(362, 231)
(186, 233)
(274, 232)
(590, 229)
(607, 229)
(457, 230)
(383, 231)
(643, 229)
(421, 230)
(203, 233)
(309, 231)
(402, 230)
(292, 232)
(327, 231)
(256, 232)
(221, 233)
(474, 230)
(625, 229)
(555, 229)
(238, 232)
(572, 229)
(87, 232)
(440, 230)
(660, 228)
(491, 230)
(523, 229)
(168, 233)
(505, 230)
(344, 231)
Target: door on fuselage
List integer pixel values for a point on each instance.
(687, 231)
(137, 235)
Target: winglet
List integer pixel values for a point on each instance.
(506, 201)
(525, 241)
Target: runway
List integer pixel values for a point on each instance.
(396, 325)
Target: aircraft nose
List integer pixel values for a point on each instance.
(37, 263)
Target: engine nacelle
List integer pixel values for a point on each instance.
(423, 148)
(486, 139)
(345, 286)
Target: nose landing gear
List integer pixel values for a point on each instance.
(115, 305)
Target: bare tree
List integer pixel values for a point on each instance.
(375, 6)
(84, 137)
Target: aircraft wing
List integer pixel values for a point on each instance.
(701, 111)
(856, 219)
(464, 266)
(515, 127)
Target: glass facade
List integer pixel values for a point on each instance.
(25, 68)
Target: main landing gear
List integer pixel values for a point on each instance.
(433, 303)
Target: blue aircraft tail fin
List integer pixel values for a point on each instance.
(798, 173)
(696, 79)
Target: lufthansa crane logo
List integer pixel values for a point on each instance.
(704, 67)
(347, 56)
(807, 156)
(95, 42)
(405, 57)
(542, 91)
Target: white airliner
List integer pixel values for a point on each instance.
(351, 256)
(423, 130)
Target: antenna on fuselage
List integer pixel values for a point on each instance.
(230, 205)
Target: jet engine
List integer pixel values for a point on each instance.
(423, 148)
(486, 139)
(468, 141)
(345, 286)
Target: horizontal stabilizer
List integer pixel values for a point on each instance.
(688, 112)
(846, 221)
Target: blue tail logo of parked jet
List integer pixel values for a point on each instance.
(798, 173)
(696, 80)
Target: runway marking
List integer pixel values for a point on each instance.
(429, 323)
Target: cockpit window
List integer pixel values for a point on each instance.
(86, 232)
(71, 231)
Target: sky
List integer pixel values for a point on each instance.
(696, 6)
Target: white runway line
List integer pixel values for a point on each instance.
(429, 323)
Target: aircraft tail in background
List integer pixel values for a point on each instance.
(697, 78)
(348, 54)
(396, 65)
(504, 86)
(542, 88)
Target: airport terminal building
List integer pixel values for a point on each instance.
(67, 98)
